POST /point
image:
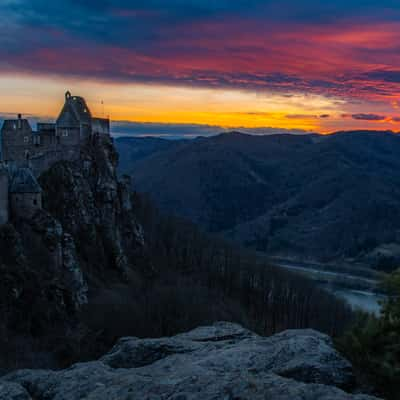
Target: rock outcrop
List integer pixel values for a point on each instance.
(223, 361)
(95, 208)
(85, 236)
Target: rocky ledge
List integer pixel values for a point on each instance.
(223, 361)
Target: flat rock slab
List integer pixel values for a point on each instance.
(222, 361)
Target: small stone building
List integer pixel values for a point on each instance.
(25, 193)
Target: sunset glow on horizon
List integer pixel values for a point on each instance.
(254, 64)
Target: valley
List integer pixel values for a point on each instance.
(331, 199)
(327, 198)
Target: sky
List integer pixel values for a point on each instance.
(158, 67)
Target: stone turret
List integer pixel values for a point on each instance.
(4, 205)
(25, 193)
(16, 140)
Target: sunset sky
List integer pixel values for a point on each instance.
(198, 66)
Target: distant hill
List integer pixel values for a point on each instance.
(321, 197)
(132, 149)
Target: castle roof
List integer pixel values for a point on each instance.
(12, 124)
(79, 108)
(23, 181)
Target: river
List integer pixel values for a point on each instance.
(359, 299)
(358, 291)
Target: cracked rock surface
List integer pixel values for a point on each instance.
(222, 361)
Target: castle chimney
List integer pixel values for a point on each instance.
(19, 121)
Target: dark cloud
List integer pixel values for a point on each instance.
(301, 116)
(368, 117)
(307, 116)
(386, 76)
(186, 42)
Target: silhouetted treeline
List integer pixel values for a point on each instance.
(267, 298)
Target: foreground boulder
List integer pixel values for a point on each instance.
(223, 361)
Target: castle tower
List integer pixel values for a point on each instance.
(16, 139)
(25, 194)
(74, 124)
(4, 204)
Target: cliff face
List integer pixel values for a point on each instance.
(223, 361)
(95, 208)
(85, 235)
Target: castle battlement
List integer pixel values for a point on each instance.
(25, 154)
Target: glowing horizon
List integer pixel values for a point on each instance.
(310, 67)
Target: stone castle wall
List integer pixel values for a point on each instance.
(40, 158)
(42, 149)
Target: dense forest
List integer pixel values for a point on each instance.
(272, 299)
(195, 278)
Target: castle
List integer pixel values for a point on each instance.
(25, 154)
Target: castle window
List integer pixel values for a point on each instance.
(35, 202)
(15, 127)
(65, 133)
(26, 139)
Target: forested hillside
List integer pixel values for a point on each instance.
(327, 198)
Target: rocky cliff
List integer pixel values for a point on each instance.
(223, 361)
(85, 236)
(95, 208)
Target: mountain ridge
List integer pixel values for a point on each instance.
(273, 192)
